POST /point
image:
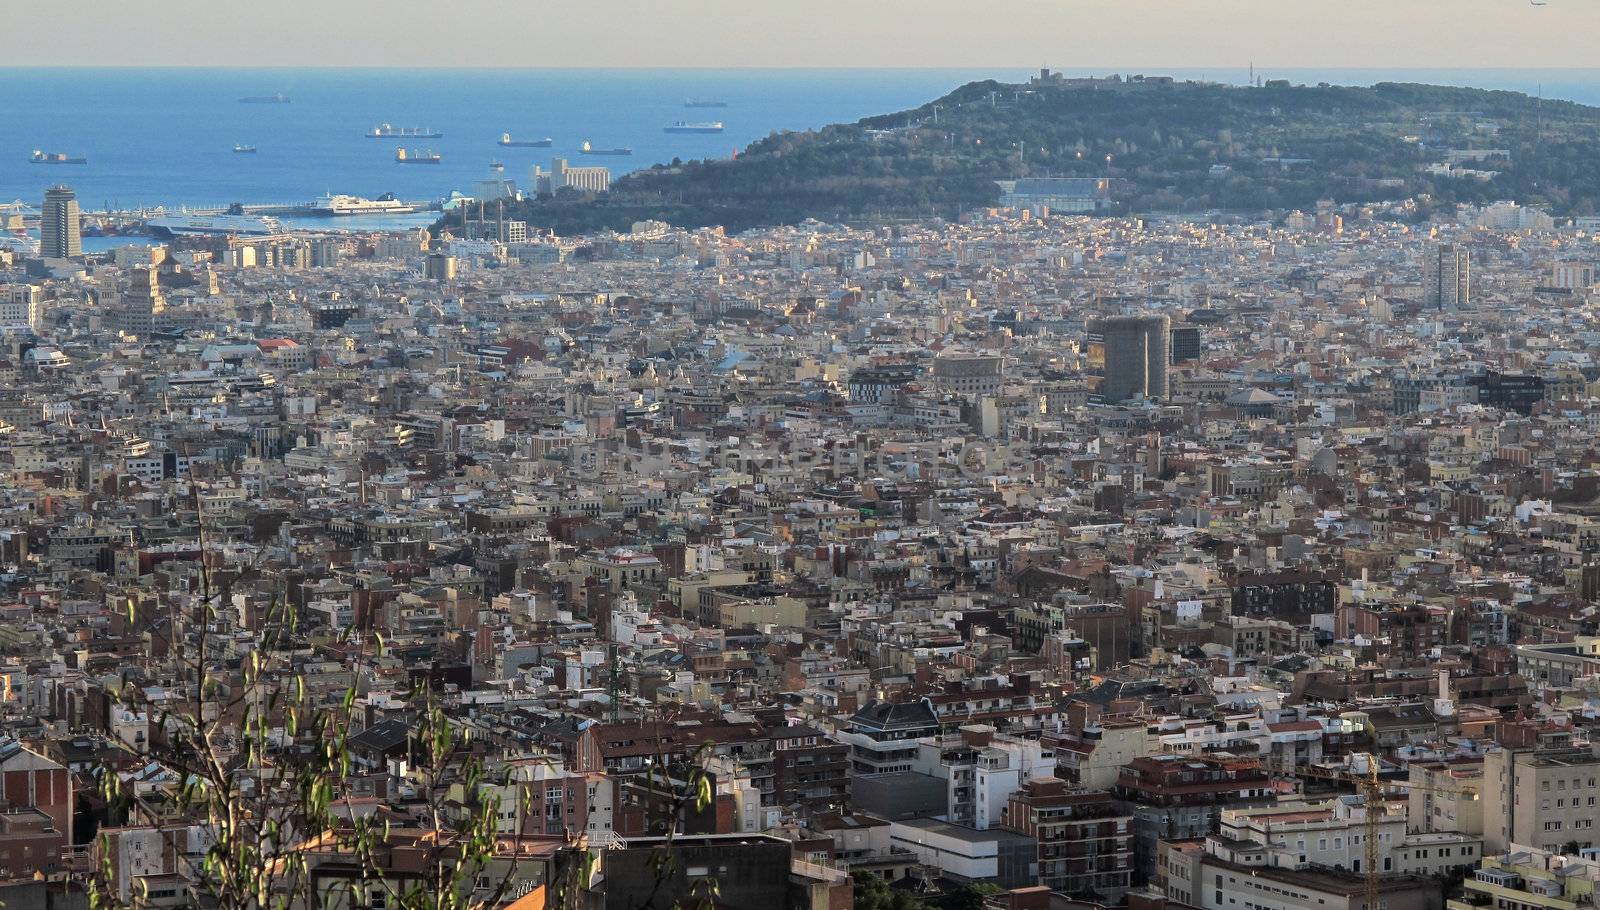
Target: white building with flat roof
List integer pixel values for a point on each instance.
(592, 179)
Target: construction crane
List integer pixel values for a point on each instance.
(1371, 788)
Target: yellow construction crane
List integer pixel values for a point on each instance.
(1371, 789)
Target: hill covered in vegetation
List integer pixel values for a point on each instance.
(1169, 146)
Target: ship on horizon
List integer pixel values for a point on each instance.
(506, 140)
(413, 156)
(39, 157)
(265, 99)
(683, 126)
(386, 131)
(587, 149)
(243, 149)
(693, 102)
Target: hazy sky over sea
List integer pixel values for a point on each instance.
(1071, 35)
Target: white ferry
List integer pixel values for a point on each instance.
(190, 225)
(355, 205)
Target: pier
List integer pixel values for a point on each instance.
(21, 215)
(290, 209)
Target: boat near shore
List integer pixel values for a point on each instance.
(343, 205)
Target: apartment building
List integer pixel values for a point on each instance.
(20, 305)
(1332, 834)
(969, 375)
(883, 737)
(1446, 796)
(1217, 874)
(1094, 758)
(621, 568)
(1541, 797)
(981, 769)
(1523, 878)
(1180, 797)
(1085, 838)
(1560, 663)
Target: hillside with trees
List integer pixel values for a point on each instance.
(1168, 146)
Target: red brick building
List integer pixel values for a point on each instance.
(29, 780)
(30, 842)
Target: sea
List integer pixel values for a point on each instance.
(165, 136)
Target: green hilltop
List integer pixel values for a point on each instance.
(1172, 146)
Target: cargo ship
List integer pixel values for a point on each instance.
(39, 157)
(385, 131)
(213, 225)
(691, 102)
(264, 99)
(683, 126)
(587, 149)
(412, 156)
(506, 140)
(355, 205)
(243, 149)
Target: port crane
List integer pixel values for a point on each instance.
(1371, 788)
(10, 211)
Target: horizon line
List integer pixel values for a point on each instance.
(1119, 69)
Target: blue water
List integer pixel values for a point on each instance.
(165, 136)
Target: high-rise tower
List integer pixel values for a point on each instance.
(60, 234)
(1137, 353)
(1446, 277)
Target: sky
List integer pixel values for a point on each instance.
(1071, 35)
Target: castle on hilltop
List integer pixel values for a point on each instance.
(1048, 78)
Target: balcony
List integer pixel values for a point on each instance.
(77, 859)
(818, 872)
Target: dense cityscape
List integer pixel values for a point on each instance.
(1043, 558)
